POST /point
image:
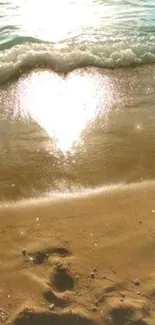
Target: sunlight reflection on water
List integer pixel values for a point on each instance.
(64, 107)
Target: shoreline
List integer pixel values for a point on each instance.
(85, 258)
(100, 133)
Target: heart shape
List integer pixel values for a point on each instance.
(64, 106)
(62, 132)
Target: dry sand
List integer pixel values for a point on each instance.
(81, 260)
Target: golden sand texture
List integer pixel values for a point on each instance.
(85, 259)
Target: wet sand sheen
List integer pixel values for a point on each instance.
(82, 258)
(89, 128)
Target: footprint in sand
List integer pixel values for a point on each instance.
(27, 317)
(62, 279)
(63, 282)
(60, 295)
(130, 311)
(125, 315)
(41, 256)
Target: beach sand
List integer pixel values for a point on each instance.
(85, 257)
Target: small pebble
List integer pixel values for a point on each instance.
(93, 308)
(3, 316)
(121, 299)
(60, 264)
(30, 258)
(51, 306)
(94, 269)
(123, 295)
(92, 275)
(136, 282)
(24, 252)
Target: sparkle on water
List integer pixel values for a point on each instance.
(64, 107)
(54, 20)
(58, 20)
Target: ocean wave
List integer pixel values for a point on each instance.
(21, 54)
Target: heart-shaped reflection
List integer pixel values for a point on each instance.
(52, 131)
(85, 129)
(64, 106)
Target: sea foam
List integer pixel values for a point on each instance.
(64, 58)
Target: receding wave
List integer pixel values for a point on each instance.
(27, 53)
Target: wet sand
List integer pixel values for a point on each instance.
(84, 257)
(89, 128)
